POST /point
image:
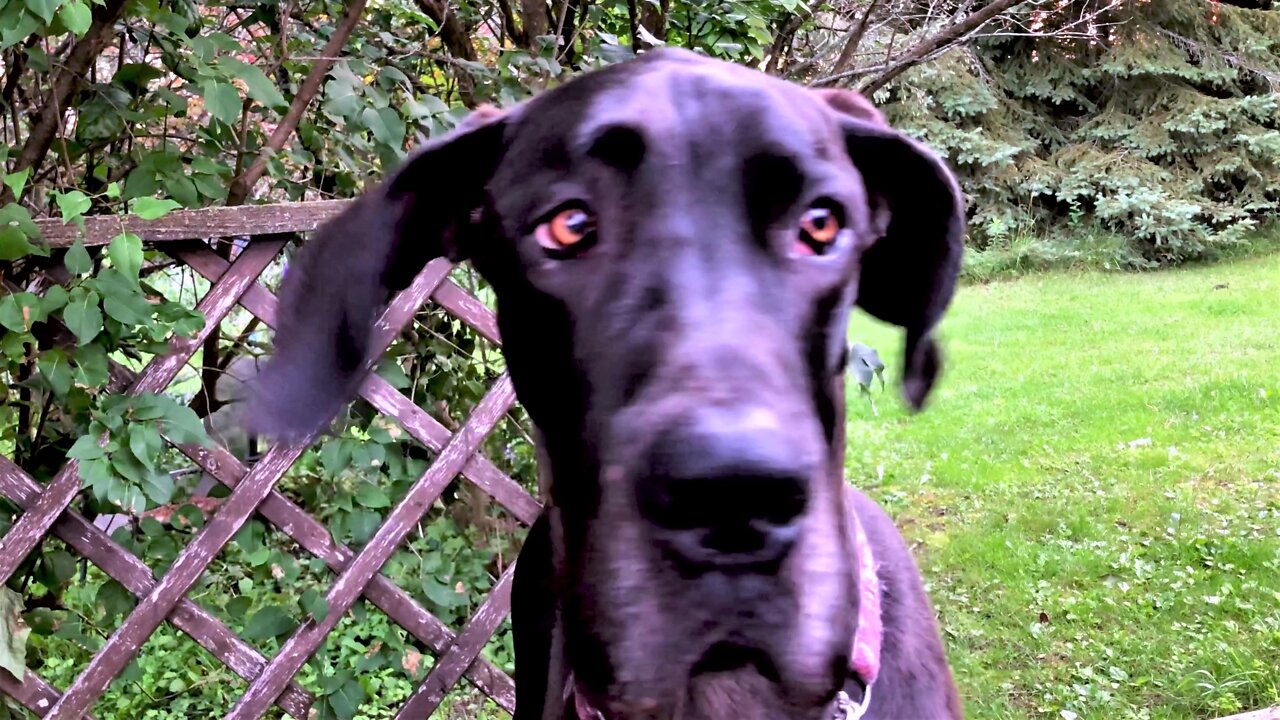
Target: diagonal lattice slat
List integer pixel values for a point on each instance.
(125, 642)
(385, 398)
(35, 694)
(27, 532)
(94, 544)
(45, 507)
(471, 641)
(313, 537)
(304, 642)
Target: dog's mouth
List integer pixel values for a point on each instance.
(729, 677)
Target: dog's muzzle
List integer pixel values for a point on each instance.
(865, 646)
(725, 488)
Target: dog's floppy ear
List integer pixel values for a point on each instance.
(337, 283)
(909, 274)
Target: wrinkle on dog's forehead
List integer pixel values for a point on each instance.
(701, 112)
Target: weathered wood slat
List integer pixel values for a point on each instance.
(344, 592)
(427, 430)
(309, 533)
(252, 490)
(257, 220)
(28, 530)
(471, 641)
(125, 642)
(1272, 713)
(191, 563)
(313, 536)
(386, 399)
(98, 547)
(381, 591)
(34, 693)
(464, 306)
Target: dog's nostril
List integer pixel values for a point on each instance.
(715, 502)
(715, 496)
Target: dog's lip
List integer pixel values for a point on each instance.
(725, 656)
(696, 551)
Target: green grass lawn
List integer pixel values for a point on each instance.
(1094, 491)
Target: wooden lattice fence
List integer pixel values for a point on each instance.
(47, 507)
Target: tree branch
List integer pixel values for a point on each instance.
(851, 44)
(533, 16)
(44, 126)
(243, 184)
(457, 40)
(938, 41)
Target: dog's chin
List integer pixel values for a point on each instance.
(729, 682)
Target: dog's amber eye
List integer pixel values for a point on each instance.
(819, 228)
(569, 228)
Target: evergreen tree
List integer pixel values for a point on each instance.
(1159, 124)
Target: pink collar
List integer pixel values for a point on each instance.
(867, 639)
(864, 657)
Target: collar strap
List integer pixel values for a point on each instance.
(864, 658)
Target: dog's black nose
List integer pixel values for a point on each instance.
(725, 489)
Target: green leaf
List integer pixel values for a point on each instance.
(77, 259)
(222, 100)
(345, 701)
(114, 600)
(260, 86)
(61, 565)
(73, 205)
(426, 106)
(97, 475)
(76, 16)
(122, 299)
(440, 594)
(17, 181)
(125, 252)
(91, 366)
(385, 124)
(13, 634)
(149, 208)
(17, 216)
(18, 25)
(55, 369)
(372, 496)
(269, 622)
(86, 448)
(44, 9)
(145, 443)
(314, 604)
(158, 487)
(82, 315)
(27, 310)
(14, 244)
(43, 622)
(13, 344)
(12, 315)
(238, 606)
(192, 516)
(128, 466)
(55, 298)
(181, 424)
(362, 524)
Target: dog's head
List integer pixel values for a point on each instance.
(675, 244)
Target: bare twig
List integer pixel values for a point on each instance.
(942, 39)
(66, 82)
(243, 184)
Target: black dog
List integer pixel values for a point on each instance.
(675, 244)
